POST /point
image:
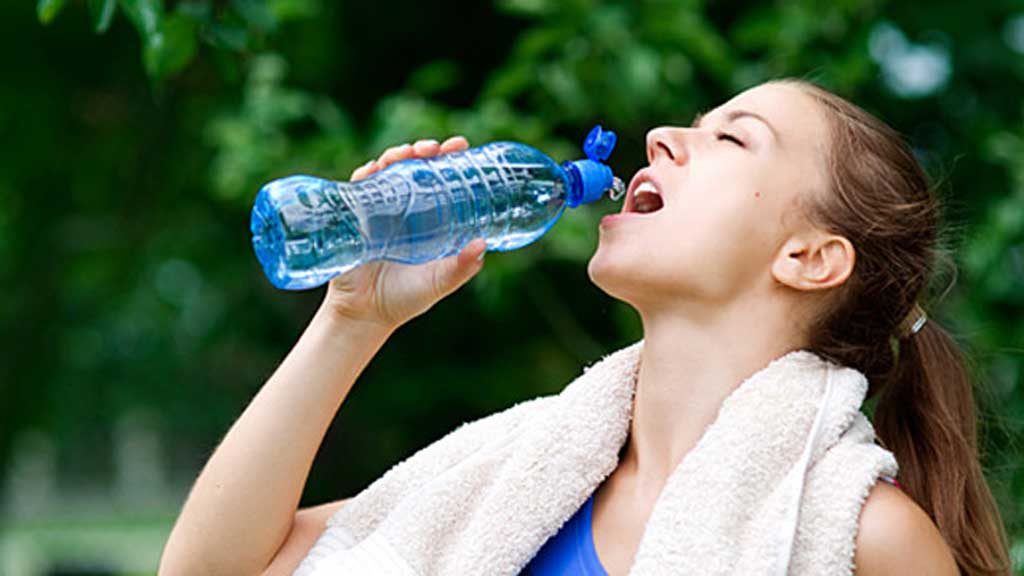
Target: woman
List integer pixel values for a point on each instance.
(785, 222)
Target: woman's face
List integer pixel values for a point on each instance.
(730, 187)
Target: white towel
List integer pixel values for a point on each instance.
(775, 485)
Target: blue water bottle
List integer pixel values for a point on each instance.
(307, 230)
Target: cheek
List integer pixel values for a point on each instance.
(725, 241)
(703, 247)
(724, 217)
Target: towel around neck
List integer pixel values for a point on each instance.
(484, 498)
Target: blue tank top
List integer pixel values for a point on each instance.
(571, 551)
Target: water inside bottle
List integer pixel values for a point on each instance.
(307, 230)
(304, 232)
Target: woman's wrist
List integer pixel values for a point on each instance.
(334, 322)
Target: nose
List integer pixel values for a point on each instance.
(667, 142)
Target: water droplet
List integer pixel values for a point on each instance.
(618, 189)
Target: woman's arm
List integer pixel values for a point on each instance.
(309, 524)
(896, 537)
(243, 505)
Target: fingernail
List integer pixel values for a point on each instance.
(481, 256)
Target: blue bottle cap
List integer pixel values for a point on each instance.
(590, 178)
(599, 144)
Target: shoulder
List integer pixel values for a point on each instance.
(896, 536)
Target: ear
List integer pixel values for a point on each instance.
(814, 260)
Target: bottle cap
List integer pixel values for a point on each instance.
(599, 144)
(590, 178)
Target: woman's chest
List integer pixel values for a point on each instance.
(618, 522)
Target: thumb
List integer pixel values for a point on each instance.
(452, 272)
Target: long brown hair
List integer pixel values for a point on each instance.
(882, 201)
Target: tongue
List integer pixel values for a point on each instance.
(648, 203)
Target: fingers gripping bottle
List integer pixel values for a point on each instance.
(306, 230)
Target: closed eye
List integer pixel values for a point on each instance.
(724, 136)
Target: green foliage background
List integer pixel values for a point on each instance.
(135, 134)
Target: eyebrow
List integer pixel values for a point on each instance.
(733, 115)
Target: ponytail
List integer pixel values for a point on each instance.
(926, 416)
(879, 197)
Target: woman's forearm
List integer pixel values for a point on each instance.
(242, 505)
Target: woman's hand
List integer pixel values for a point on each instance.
(390, 293)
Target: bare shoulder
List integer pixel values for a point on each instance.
(895, 536)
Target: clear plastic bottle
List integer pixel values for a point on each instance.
(306, 230)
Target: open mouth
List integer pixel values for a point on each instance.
(645, 199)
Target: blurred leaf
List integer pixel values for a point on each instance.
(757, 29)
(256, 13)
(528, 7)
(508, 82)
(284, 10)
(254, 143)
(539, 41)
(145, 15)
(575, 236)
(47, 10)
(639, 70)
(171, 47)
(435, 77)
(198, 10)
(102, 12)
(406, 118)
(229, 35)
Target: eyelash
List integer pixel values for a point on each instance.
(724, 136)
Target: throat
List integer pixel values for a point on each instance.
(667, 423)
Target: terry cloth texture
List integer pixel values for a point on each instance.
(774, 486)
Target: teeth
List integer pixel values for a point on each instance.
(645, 188)
(646, 198)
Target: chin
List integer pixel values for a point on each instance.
(638, 279)
(614, 276)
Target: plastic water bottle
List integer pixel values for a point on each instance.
(306, 230)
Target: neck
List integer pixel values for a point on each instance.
(687, 369)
